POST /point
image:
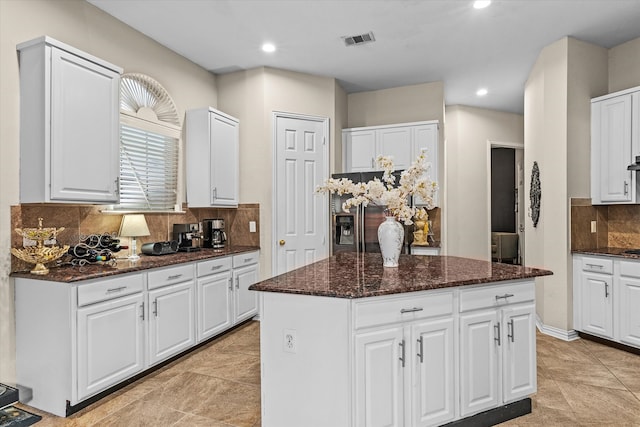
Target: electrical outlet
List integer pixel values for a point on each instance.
(594, 226)
(290, 342)
(252, 226)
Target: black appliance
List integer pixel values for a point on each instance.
(214, 235)
(357, 230)
(160, 248)
(188, 237)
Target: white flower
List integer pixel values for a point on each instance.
(413, 181)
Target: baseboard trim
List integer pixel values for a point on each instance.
(562, 334)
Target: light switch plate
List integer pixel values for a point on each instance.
(252, 226)
(594, 226)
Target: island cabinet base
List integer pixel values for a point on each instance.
(425, 358)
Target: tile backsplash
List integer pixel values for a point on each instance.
(617, 226)
(83, 220)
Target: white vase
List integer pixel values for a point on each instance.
(390, 237)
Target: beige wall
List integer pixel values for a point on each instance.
(624, 65)
(467, 175)
(85, 27)
(397, 105)
(566, 75)
(253, 96)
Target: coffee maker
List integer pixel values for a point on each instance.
(188, 237)
(214, 235)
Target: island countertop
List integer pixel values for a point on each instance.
(356, 275)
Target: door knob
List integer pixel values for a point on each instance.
(282, 242)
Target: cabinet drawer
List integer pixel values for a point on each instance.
(496, 296)
(392, 310)
(214, 266)
(597, 265)
(169, 276)
(109, 289)
(245, 259)
(630, 268)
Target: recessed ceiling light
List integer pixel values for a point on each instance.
(481, 4)
(268, 47)
(482, 92)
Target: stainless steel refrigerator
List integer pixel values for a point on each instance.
(357, 230)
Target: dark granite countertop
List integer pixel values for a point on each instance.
(68, 273)
(615, 252)
(353, 275)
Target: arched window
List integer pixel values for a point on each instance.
(149, 146)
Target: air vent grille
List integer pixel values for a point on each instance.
(359, 39)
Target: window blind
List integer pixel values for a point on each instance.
(148, 170)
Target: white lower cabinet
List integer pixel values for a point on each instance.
(110, 343)
(171, 321)
(416, 359)
(606, 297)
(98, 333)
(404, 374)
(497, 348)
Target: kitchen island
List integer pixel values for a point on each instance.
(346, 342)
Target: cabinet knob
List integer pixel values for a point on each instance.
(282, 242)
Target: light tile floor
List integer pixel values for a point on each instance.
(580, 383)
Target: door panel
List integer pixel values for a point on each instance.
(629, 312)
(519, 341)
(214, 304)
(301, 215)
(597, 309)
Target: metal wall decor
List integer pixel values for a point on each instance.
(535, 194)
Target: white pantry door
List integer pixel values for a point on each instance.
(300, 215)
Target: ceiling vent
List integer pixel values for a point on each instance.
(359, 39)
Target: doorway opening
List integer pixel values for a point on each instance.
(506, 202)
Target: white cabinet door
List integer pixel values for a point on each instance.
(245, 301)
(629, 310)
(519, 347)
(361, 152)
(378, 376)
(84, 130)
(110, 343)
(212, 158)
(425, 139)
(596, 304)
(432, 374)
(396, 143)
(214, 304)
(479, 358)
(171, 321)
(224, 160)
(612, 151)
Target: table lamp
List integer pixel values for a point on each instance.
(133, 226)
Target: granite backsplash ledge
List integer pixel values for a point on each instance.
(83, 220)
(617, 226)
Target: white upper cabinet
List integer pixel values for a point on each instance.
(403, 142)
(69, 125)
(615, 141)
(212, 153)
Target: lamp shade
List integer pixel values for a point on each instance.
(133, 226)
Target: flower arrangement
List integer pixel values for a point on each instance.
(413, 181)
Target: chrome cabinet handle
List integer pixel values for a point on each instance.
(606, 290)
(505, 296)
(496, 328)
(248, 259)
(595, 266)
(175, 276)
(142, 309)
(373, 164)
(230, 284)
(626, 188)
(214, 193)
(401, 344)
(118, 289)
(117, 182)
(421, 352)
(155, 307)
(510, 330)
(237, 283)
(411, 310)
(216, 267)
